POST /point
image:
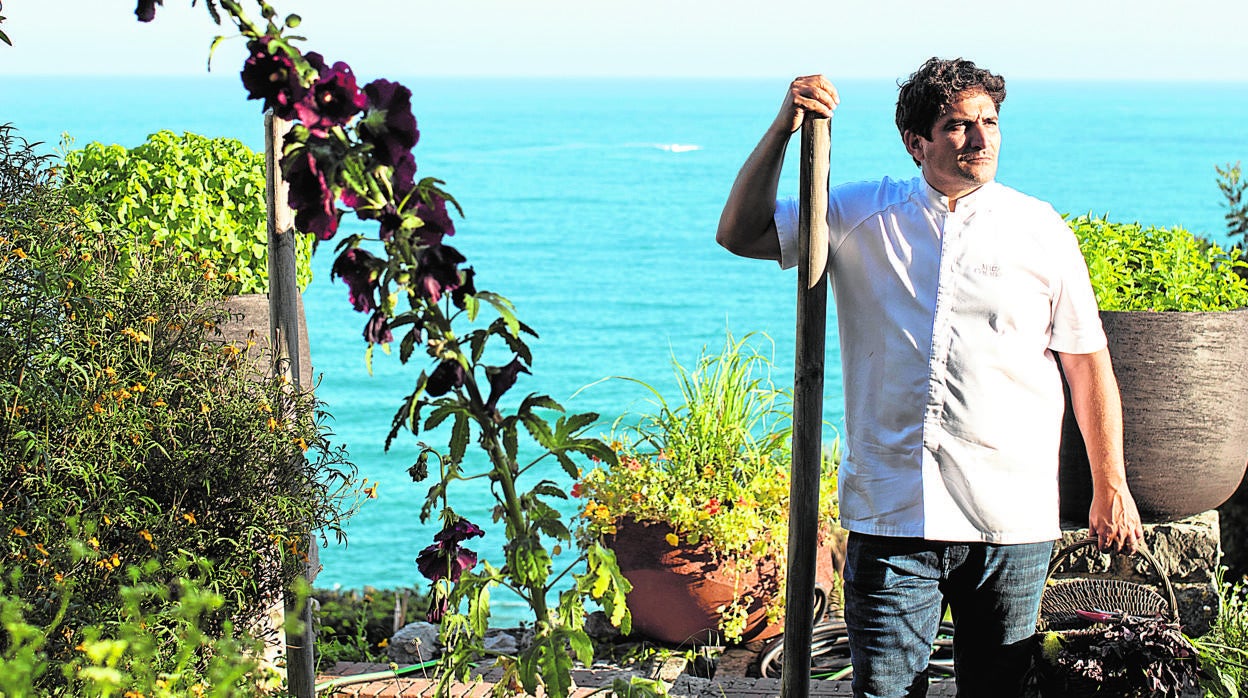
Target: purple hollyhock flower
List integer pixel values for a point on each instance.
(330, 101)
(467, 287)
(389, 126)
(448, 375)
(501, 379)
(437, 271)
(311, 194)
(146, 11)
(377, 330)
(404, 177)
(439, 604)
(359, 268)
(437, 220)
(445, 559)
(272, 77)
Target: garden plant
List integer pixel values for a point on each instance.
(713, 466)
(1137, 267)
(137, 447)
(353, 145)
(189, 193)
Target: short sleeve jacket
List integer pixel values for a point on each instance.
(948, 325)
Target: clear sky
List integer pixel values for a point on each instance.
(1115, 39)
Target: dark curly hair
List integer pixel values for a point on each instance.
(935, 85)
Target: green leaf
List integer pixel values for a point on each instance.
(504, 308)
(539, 430)
(581, 646)
(459, 438)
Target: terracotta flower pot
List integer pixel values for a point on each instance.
(676, 590)
(1183, 377)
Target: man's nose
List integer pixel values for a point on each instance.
(976, 136)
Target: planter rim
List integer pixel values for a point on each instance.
(1231, 311)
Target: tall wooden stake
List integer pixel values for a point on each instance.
(812, 318)
(284, 338)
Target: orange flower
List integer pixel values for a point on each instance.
(712, 506)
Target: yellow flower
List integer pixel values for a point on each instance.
(672, 539)
(107, 520)
(58, 578)
(97, 408)
(264, 407)
(371, 491)
(42, 550)
(21, 254)
(190, 517)
(272, 424)
(146, 535)
(385, 642)
(139, 388)
(93, 542)
(19, 532)
(159, 403)
(204, 408)
(301, 443)
(150, 319)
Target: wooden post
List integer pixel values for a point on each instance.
(284, 339)
(812, 316)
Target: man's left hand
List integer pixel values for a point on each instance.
(1114, 521)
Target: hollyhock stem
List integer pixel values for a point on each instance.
(503, 473)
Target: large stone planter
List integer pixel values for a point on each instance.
(677, 590)
(1183, 377)
(249, 320)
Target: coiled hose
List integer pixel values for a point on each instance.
(829, 653)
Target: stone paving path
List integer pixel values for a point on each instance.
(589, 682)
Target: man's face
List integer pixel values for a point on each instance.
(962, 154)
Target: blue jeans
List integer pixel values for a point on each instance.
(894, 590)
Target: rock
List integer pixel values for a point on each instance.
(599, 628)
(414, 643)
(501, 642)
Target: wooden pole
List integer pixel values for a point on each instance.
(812, 316)
(284, 339)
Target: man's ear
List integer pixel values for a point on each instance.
(913, 143)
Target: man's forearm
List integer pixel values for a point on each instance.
(1113, 518)
(747, 224)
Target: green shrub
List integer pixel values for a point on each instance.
(1223, 649)
(189, 193)
(355, 626)
(161, 648)
(130, 432)
(1150, 268)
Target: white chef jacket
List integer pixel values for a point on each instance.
(948, 321)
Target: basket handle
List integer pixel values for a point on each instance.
(1141, 550)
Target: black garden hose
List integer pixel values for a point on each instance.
(829, 653)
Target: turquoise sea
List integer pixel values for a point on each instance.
(592, 205)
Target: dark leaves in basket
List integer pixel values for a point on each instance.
(1130, 656)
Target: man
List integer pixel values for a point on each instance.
(956, 297)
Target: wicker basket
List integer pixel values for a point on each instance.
(1063, 597)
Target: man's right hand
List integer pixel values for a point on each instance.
(809, 93)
